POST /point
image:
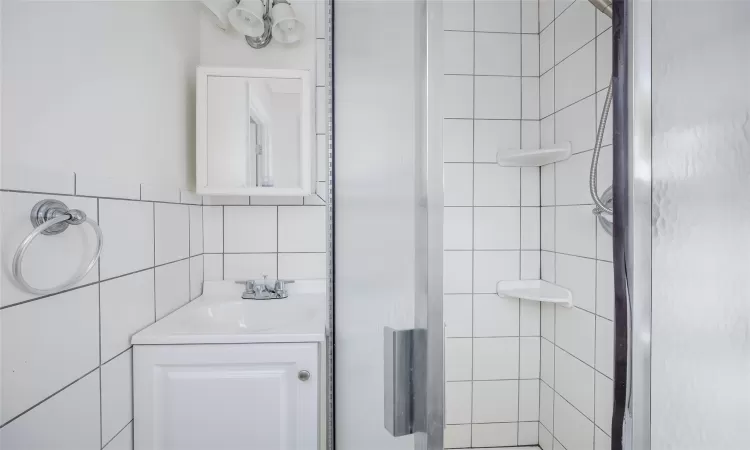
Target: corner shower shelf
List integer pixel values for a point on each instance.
(534, 158)
(536, 290)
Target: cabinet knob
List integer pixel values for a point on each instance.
(303, 375)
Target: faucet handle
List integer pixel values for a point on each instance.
(249, 284)
(281, 284)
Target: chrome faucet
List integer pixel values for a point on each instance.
(260, 289)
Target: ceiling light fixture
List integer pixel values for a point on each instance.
(259, 21)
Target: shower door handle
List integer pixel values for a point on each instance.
(403, 352)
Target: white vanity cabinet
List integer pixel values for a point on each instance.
(260, 396)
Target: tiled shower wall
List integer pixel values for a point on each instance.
(67, 358)
(492, 222)
(576, 352)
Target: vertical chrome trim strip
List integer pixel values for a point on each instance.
(429, 378)
(330, 355)
(640, 207)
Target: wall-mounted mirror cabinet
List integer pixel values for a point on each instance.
(254, 132)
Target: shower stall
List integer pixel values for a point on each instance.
(585, 284)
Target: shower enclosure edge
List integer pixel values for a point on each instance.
(632, 167)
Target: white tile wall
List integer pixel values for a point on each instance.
(492, 213)
(37, 342)
(576, 352)
(56, 349)
(117, 395)
(561, 378)
(69, 420)
(172, 287)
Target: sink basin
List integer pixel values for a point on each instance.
(221, 316)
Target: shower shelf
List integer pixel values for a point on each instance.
(534, 158)
(536, 290)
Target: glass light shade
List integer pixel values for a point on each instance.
(286, 27)
(247, 17)
(219, 10)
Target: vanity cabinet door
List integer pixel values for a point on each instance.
(226, 397)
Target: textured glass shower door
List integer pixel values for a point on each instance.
(388, 221)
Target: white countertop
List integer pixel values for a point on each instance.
(221, 316)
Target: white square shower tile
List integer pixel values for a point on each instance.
(496, 358)
(495, 316)
(248, 266)
(249, 229)
(457, 315)
(574, 333)
(457, 436)
(530, 357)
(213, 229)
(493, 136)
(579, 276)
(493, 266)
(130, 243)
(457, 228)
(458, 402)
(496, 186)
(575, 231)
(172, 287)
(574, 380)
(498, 15)
(497, 54)
(458, 179)
(457, 272)
(495, 401)
(458, 56)
(302, 266)
(458, 91)
(127, 306)
(603, 396)
(528, 395)
(497, 228)
(458, 359)
(605, 335)
(117, 395)
(172, 232)
(302, 229)
(494, 434)
(196, 230)
(573, 29)
(51, 424)
(572, 428)
(605, 289)
(458, 15)
(458, 140)
(497, 97)
(530, 185)
(575, 77)
(38, 341)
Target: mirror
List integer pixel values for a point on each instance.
(254, 132)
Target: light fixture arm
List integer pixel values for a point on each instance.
(264, 39)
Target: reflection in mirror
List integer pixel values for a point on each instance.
(253, 132)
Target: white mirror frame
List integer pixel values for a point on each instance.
(306, 131)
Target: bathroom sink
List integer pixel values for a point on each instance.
(221, 316)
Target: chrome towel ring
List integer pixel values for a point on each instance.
(51, 217)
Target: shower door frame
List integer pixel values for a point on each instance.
(633, 235)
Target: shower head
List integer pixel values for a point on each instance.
(604, 6)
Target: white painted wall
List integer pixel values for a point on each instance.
(101, 88)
